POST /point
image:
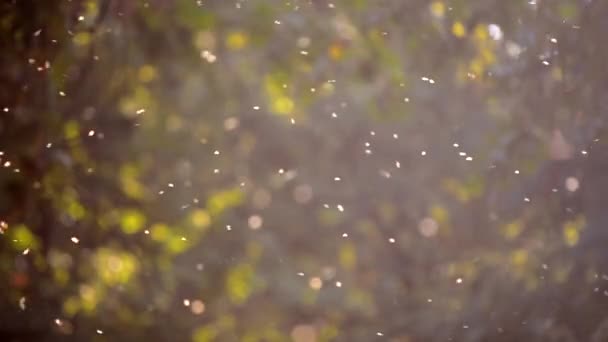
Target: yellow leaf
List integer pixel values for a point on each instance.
(513, 229)
(457, 189)
(222, 200)
(236, 40)
(114, 267)
(477, 66)
(71, 306)
(557, 73)
(335, 52)
(572, 230)
(130, 184)
(147, 73)
(571, 236)
(75, 210)
(282, 105)
(239, 283)
(348, 256)
(82, 38)
(439, 214)
(437, 9)
(89, 298)
(200, 218)
(204, 334)
(177, 244)
(132, 221)
(519, 257)
(458, 29)
(23, 238)
(160, 232)
(329, 218)
(71, 130)
(481, 33)
(487, 56)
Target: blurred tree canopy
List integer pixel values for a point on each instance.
(303, 170)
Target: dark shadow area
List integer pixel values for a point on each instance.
(303, 170)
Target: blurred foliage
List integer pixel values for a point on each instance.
(304, 170)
